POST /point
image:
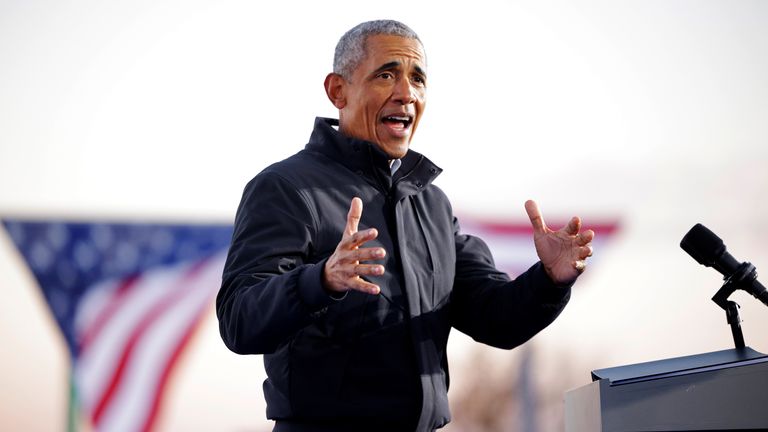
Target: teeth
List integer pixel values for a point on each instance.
(396, 118)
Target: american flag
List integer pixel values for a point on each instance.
(127, 298)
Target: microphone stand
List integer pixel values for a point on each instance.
(740, 279)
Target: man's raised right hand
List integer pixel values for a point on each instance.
(343, 269)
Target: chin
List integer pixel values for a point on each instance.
(396, 152)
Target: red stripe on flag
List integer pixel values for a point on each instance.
(149, 318)
(105, 314)
(178, 349)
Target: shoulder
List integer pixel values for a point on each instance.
(436, 196)
(277, 191)
(436, 192)
(280, 180)
(291, 167)
(305, 168)
(286, 173)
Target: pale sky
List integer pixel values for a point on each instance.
(653, 113)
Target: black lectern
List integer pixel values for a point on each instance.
(723, 390)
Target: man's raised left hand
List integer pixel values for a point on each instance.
(564, 252)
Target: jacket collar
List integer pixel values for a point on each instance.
(367, 160)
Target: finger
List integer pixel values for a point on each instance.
(369, 270)
(363, 254)
(585, 252)
(361, 285)
(573, 226)
(368, 254)
(580, 265)
(535, 216)
(354, 215)
(585, 238)
(357, 239)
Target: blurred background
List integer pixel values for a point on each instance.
(647, 116)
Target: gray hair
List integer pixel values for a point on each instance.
(350, 51)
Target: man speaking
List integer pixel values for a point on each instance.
(347, 268)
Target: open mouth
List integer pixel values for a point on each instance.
(399, 122)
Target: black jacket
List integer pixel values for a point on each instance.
(364, 358)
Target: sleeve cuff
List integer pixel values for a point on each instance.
(311, 288)
(548, 290)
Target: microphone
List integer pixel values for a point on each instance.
(709, 250)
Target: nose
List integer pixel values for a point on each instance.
(404, 93)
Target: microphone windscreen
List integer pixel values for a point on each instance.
(703, 245)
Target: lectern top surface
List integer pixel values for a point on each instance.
(678, 366)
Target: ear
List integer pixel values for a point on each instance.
(335, 85)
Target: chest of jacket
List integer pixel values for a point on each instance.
(416, 230)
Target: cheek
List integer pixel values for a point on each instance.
(421, 104)
(372, 111)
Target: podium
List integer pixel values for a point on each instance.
(717, 391)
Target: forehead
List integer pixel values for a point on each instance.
(382, 49)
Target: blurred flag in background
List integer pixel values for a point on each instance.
(127, 298)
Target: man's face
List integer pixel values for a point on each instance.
(386, 95)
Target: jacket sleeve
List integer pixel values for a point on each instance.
(272, 281)
(491, 308)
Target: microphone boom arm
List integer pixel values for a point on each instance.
(740, 279)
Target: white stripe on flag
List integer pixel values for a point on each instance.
(130, 407)
(97, 360)
(92, 305)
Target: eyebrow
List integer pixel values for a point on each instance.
(420, 71)
(387, 66)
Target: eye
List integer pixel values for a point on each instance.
(419, 80)
(386, 75)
